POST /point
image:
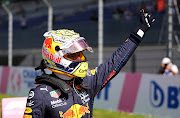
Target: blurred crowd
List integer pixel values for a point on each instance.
(23, 20)
(153, 7)
(122, 11)
(19, 10)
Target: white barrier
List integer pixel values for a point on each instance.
(13, 107)
(17, 80)
(159, 96)
(147, 94)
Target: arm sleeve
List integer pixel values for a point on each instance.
(111, 67)
(35, 107)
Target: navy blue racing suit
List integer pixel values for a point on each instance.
(48, 101)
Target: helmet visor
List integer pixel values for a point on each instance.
(78, 46)
(75, 57)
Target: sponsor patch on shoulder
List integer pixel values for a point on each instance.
(28, 110)
(27, 116)
(44, 89)
(31, 95)
(30, 103)
(55, 93)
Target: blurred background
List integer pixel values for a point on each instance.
(30, 21)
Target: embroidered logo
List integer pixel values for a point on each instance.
(45, 89)
(76, 111)
(55, 93)
(31, 94)
(28, 110)
(58, 103)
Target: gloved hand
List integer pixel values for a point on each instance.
(146, 21)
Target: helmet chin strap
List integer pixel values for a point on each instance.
(62, 76)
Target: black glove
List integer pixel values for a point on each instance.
(146, 21)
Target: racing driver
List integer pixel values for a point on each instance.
(69, 91)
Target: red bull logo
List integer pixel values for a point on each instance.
(76, 111)
(48, 43)
(51, 56)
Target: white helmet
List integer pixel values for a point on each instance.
(57, 45)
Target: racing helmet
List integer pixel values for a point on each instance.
(58, 44)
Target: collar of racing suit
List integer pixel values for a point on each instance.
(62, 76)
(63, 85)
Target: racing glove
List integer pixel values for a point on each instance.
(146, 21)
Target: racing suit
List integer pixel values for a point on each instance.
(56, 100)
